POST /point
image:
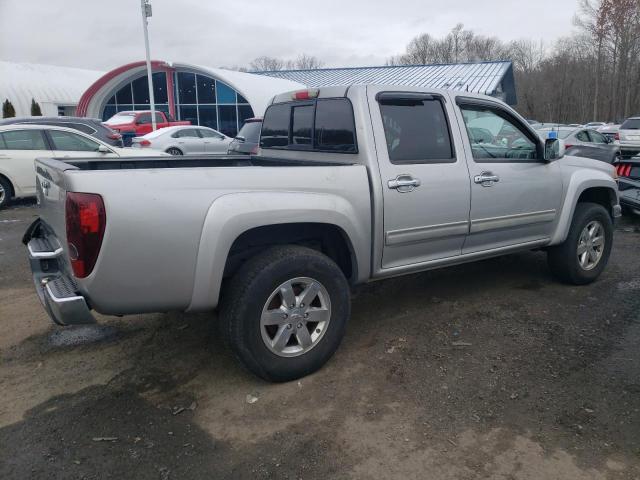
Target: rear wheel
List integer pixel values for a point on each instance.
(5, 192)
(174, 151)
(585, 252)
(285, 311)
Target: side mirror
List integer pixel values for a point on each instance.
(103, 149)
(553, 149)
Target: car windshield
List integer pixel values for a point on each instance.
(631, 124)
(250, 131)
(121, 118)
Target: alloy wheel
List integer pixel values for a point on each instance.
(591, 245)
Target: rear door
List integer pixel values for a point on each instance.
(425, 180)
(189, 141)
(18, 151)
(515, 194)
(69, 145)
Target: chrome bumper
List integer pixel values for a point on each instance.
(57, 291)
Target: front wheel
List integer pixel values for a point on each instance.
(5, 192)
(285, 311)
(582, 257)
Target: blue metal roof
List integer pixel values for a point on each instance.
(489, 78)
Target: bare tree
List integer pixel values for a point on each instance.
(270, 64)
(267, 64)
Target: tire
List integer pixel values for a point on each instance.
(174, 151)
(564, 260)
(250, 294)
(5, 192)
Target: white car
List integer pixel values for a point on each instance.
(629, 136)
(184, 140)
(21, 144)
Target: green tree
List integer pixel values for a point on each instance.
(7, 109)
(35, 109)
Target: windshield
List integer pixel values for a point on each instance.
(250, 131)
(631, 124)
(121, 118)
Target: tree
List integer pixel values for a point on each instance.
(35, 109)
(7, 109)
(272, 64)
(267, 64)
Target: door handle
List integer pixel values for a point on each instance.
(486, 179)
(404, 183)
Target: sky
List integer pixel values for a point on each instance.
(101, 34)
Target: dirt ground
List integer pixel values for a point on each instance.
(488, 370)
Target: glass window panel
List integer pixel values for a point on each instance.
(227, 120)
(124, 108)
(163, 108)
(112, 100)
(159, 87)
(24, 140)
(142, 107)
(302, 125)
(108, 112)
(206, 89)
(204, 133)
(124, 94)
(71, 142)
(140, 90)
(335, 128)
(416, 131)
(225, 93)
(241, 99)
(190, 113)
(208, 116)
(244, 112)
(186, 87)
(275, 128)
(494, 134)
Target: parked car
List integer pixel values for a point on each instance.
(611, 131)
(595, 125)
(585, 142)
(353, 184)
(629, 183)
(90, 126)
(135, 123)
(184, 140)
(248, 139)
(629, 136)
(21, 144)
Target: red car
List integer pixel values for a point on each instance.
(137, 123)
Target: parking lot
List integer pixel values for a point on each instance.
(487, 370)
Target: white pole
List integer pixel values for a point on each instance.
(146, 12)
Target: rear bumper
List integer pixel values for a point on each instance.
(56, 290)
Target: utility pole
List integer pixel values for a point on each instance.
(146, 13)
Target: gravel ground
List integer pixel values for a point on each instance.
(488, 370)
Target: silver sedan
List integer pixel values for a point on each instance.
(184, 140)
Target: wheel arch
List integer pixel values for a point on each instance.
(12, 188)
(239, 225)
(602, 191)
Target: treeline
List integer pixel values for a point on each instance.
(592, 75)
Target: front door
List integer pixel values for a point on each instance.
(189, 141)
(75, 145)
(213, 142)
(425, 180)
(515, 193)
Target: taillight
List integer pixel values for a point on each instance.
(144, 142)
(616, 136)
(86, 221)
(568, 145)
(114, 136)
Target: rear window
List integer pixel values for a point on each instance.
(631, 124)
(23, 140)
(251, 131)
(321, 125)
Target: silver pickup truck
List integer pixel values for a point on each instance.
(351, 184)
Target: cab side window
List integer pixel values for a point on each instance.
(23, 140)
(416, 130)
(493, 134)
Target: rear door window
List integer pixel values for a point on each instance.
(416, 130)
(334, 127)
(24, 140)
(596, 137)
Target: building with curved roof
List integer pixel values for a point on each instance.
(56, 89)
